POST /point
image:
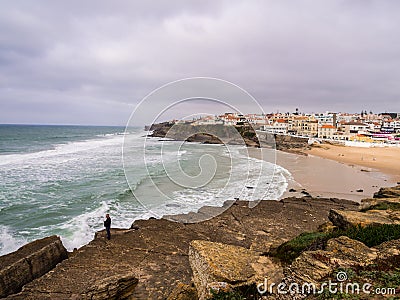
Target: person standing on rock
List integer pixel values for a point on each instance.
(107, 225)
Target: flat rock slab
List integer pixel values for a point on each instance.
(345, 219)
(229, 266)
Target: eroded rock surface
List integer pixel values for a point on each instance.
(217, 266)
(345, 219)
(388, 192)
(29, 262)
(343, 252)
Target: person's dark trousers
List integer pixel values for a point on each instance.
(108, 233)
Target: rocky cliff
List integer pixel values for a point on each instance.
(219, 134)
(29, 262)
(206, 134)
(152, 262)
(162, 259)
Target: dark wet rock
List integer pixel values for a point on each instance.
(29, 262)
(292, 191)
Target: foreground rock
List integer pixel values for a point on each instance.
(367, 204)
(153, 263)
(29, 262)
(388, 192)
(219, 266)
(341, 253)
(345, 219)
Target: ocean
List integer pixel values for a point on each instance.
(63, 179)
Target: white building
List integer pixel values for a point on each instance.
(277, 127)
(326, 131)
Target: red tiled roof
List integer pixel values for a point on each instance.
(328, 126)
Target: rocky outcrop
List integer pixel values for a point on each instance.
(29, 262)
(368, 204)
(345, 219)
(206, 134)
(291, 144)
(388, 192)
(349, 252)
(219, 266)
(313, 266)
(152, 262)
(183, 292)
(343, 252)
(388, 250)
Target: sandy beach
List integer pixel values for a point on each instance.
(322, 177)
(384, 159)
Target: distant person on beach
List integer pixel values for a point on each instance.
(107, 225)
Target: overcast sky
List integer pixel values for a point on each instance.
(91, 62)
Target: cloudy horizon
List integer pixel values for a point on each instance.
(92, 62)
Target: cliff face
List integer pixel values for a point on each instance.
(291, 144)
(219, 134)
(206, 134)
(152, 262)
(29, 262)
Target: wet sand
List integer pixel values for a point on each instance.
(322, 177)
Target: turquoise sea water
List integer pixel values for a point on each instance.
(63, 179)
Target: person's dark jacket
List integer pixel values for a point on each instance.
(107, 223)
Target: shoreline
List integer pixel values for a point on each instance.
(325, 178)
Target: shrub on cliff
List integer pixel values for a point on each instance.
(371, 236)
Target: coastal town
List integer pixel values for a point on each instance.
(366, 127)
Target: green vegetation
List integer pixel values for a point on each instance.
(288, 251)
(240, 293)
(384, 206)
(382, 276)
(369, 235)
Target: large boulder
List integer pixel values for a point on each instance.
(388, 192)
(313, 266)
(345, 219)
(220, 266)
(29, 262)
(349, 252)
(388, 250)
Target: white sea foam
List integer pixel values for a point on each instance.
(8, 241)
(77, 162)
(62, 150)
(80, 229)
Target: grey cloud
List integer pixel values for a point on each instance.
(95, 57)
